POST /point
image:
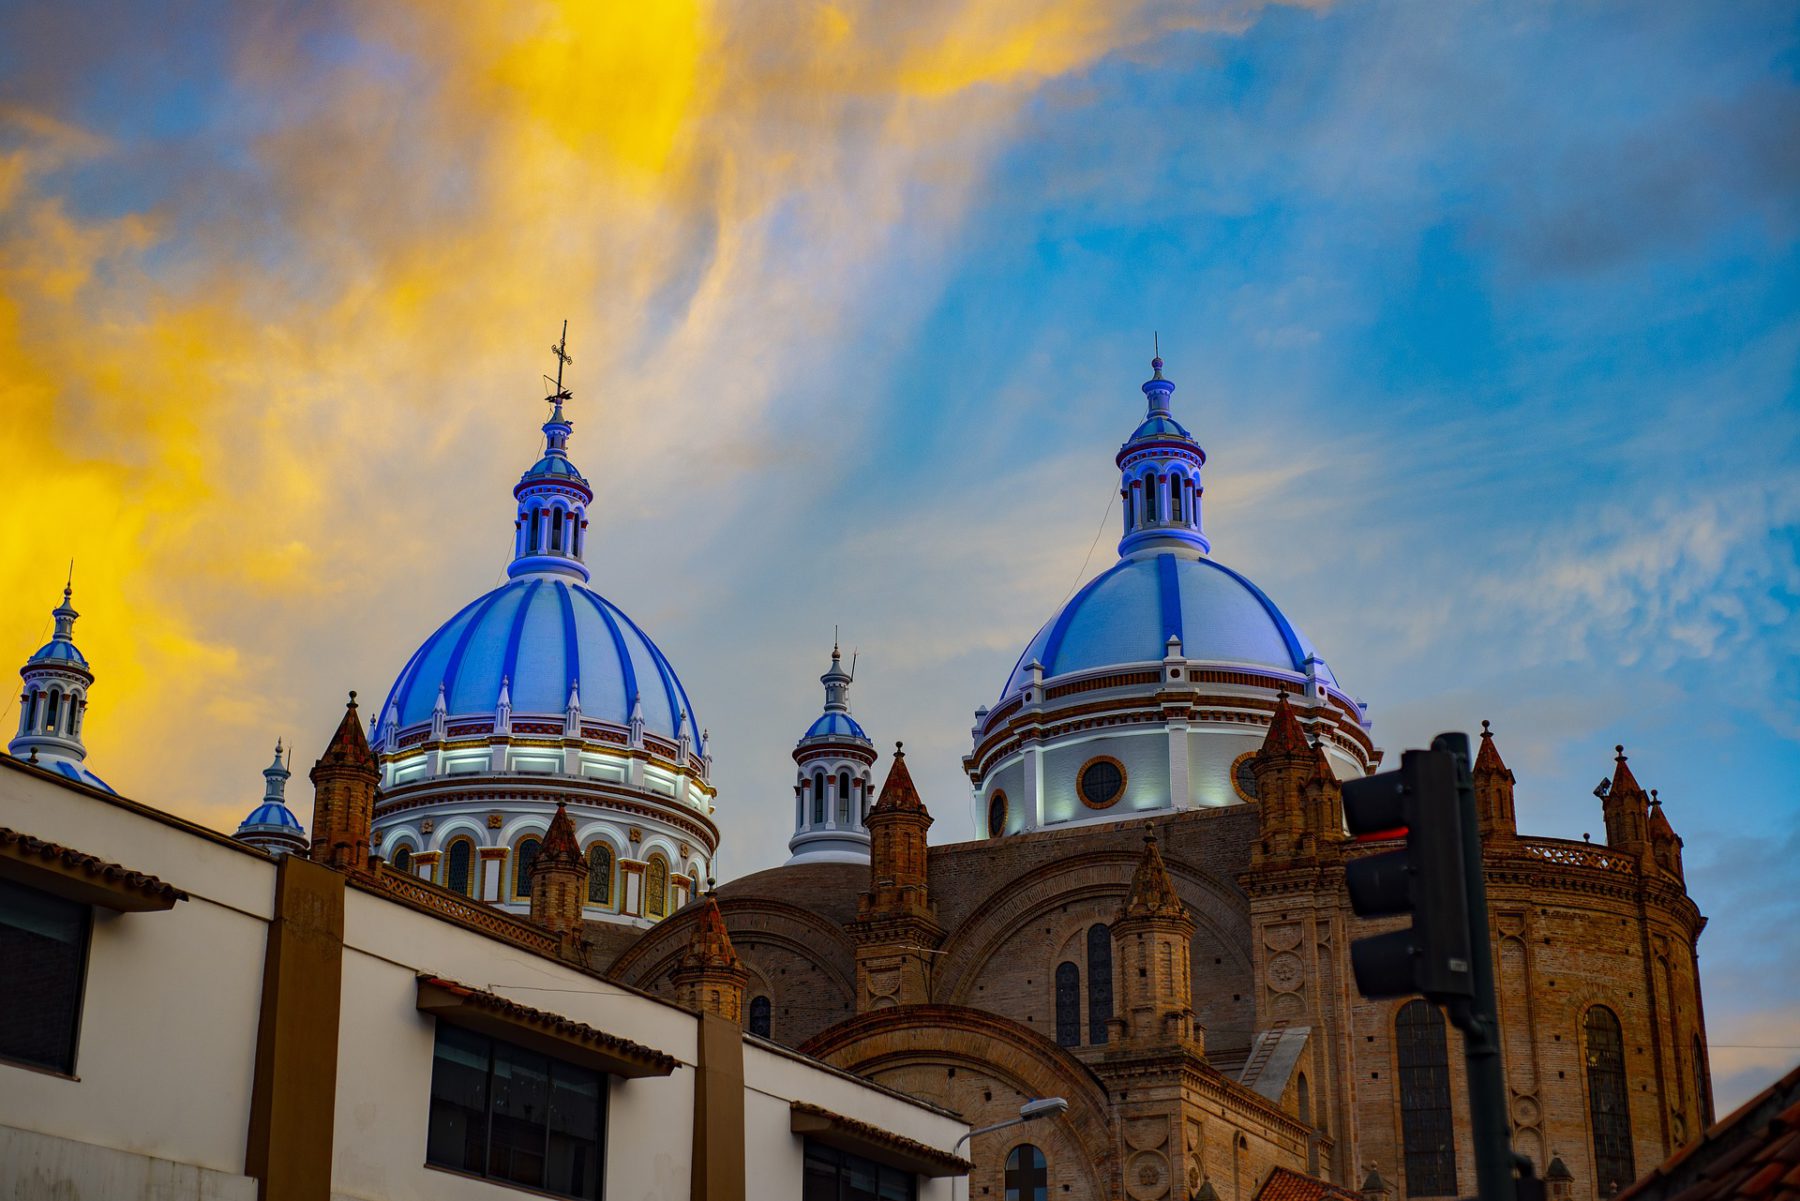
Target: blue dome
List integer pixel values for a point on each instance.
(1158, 427)
(840, 725)
(77, 772)
(59, 651)
(1127, 613)
(543, 633)
(552, 466)
(271, 814)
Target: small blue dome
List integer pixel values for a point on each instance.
(59, 651)
(78, 772)
(1159, 427)
(1127, 613)
(271, 814)
(840, 725)
(542, 633)
(552, 466)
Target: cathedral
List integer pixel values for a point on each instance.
(1152, 925)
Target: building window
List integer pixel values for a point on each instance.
(1068, 1005)
(403, 857)
(556, 524)
(523, 859)
(818, 800)
(760, 1014)
(1609, 1111)
(600, 874)
(457, 874)
(1426, 1126)
(843, 798)
(656, 886)
(43, 943)
(1303, 1099)
(1174, 498)
(1149, 499)
(1126, 493)
(1243, 776)
(1101, 781)
(1701, 1093)
(50, 719)
(997, 814)
(831, 1174)
(1100, 991)
(1027, 1175)
(514, 1115)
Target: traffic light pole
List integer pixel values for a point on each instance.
(1478, 1017)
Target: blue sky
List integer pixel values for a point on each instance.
(1485, 314)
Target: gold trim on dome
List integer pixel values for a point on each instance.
(1081, 793)
(1249, 798)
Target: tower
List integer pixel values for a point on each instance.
(1159, 480)
(1626, 808)
(710, 977)
(559, 880)
(1282, 768)
(550, 530)
(1493, 791)
(272, 825)
(344, 781)
(1154, 934)
(53, 704)
(831, 780)
(896, 927)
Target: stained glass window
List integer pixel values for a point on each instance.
(656, 886)
(457, 875)
(1068, 1005)
(523, 858)
(1609, 1102)
(600, 874)
(1100, 982)
(1426, 1126)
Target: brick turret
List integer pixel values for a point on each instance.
(896, 925)
(710, 977)
(1665, 844)
(1296, 791)
(1493, 791)
(1322, 800)
(344, 782)
(1152, 936)
(559, 879)
(1626, 808)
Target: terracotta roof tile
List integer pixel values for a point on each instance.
(1751, 1155)
(555, 1024)
(111, 876)
(1285, 1184)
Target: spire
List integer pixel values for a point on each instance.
(1625, 806)
(275, 778)
(709, 977)
(344, 781)
(559, 845)
(1285, 737)
(272, 825)
(1665, 844)
(897, 793)
(1493, 789)
(1152, 892)
(559, 877)
(550, 528)
(1159, 477)
(53, 702)
(837, 683)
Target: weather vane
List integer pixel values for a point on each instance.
(563, 359)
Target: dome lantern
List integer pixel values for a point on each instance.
(1159, 477)
(53, 704)
(272, 825)
(550, 530)
(832, 785)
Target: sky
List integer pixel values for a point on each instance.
(1487, 315)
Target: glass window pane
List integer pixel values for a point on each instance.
(577, 1099)
(457, 1131)
(821, 1179)
(1427, 1127)
(897, 1185)
(519, 1128)
(859, 1179)
(43, 943)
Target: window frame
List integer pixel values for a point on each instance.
(1012, 1192)
(522, 865)
(997, 803)
(473, 886)
(1594, 1075)
(78, 1009)
(813, 1151)
(1118, 793)
(612, 861)
(1442, 1100)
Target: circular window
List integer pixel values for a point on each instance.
(1243, 775)
(997, 815)
(1101, 781)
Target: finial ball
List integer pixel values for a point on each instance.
(352, 703)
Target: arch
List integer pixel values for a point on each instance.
(579, 519)
(1609, 1101)
(761, 1016)
(600, 860)
(753, 921)
(1027, 1174)
(1100, 981)
(77, 706)
(818, 798)
(1427, 1125)
(524, 857)
(556, 529)
(1068, 1005)
(537, 515)
(459, 865)
(1303, 1099)
(656, 886)
(843, 797)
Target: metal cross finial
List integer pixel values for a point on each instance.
(563, 359)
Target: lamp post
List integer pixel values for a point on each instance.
(1031, 1111)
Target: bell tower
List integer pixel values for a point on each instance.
(832, 794)
(344, 781)
(896, 927)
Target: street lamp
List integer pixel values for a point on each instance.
(1031, 1111)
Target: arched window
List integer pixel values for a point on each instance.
(818, 787)
(1149, 498)
(1426, 1127)
(760, 1014)
(523, 859)
(55, 700)
(862, 800)
(997, 814)
(1609, 1112)
(556, 524)
(843, 798)
(1068, 1005)
(457, 876)
(1701, 1092)
(536, 514)
(1027, 1175)
(403, 857)
(600, 873)
(656, 886)
(1128, 507)
(1303, 1099)
(580, 528)
(74, 712)
(1100, 992)
(37, 709)
(1174, 498)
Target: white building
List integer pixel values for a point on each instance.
(189, 1016)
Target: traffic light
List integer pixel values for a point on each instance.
(1424, 878)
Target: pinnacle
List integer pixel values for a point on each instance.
(348, 747)
(1285, 736)
(1623, 781)
(898, 793)
(709, 943)
(1487, 759)
(559, 843)
(1152, 892)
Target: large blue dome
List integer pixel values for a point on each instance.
(542, 633)
(1127, 614)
